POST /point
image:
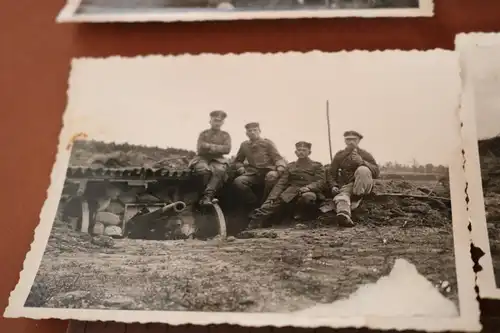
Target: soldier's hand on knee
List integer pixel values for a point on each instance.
(304, 189)
(335, 190)
(241, 170)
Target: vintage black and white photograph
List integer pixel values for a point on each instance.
(295, 189)
(203, 10)
(480, 64)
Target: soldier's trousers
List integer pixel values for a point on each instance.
(213, 172)
(244, 183)
(269, 208)
(362, 185)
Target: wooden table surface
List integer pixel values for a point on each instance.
(34, 63)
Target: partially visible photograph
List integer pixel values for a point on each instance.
(204, 10)
(480, 111)
(258, 190)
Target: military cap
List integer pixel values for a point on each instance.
(218, 114)
(252, 125)
(303, 144)
(352, 134)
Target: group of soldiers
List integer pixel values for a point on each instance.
(338, 187)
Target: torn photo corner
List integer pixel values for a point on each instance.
(294, 189)
(480, 67)
(93, 11)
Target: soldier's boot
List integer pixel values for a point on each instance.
(255, 220)
(344, 220)
(207, 198)
(254, 224)
(326, 212)
(301, 213)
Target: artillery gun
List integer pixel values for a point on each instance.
(139, 203)
(147, 203)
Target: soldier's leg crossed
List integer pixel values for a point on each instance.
(243, 185)
(363, 181)
(363, 185)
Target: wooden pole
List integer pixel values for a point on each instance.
(329, 130)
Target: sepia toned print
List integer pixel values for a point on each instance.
(202, 10)
(223, 189)
(480, 67)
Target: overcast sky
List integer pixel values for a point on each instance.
(485, 63)
(404, 103)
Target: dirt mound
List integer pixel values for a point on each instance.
(438, 187)
(393, 204)
(404, 211)
(111, 155)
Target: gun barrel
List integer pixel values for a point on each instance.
(177, 206)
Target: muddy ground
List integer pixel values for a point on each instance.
(283, 269)
(294, 270)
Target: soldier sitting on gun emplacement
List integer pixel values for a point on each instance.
(351, 177)
(265, 165)
(210, 162)
(301, 183)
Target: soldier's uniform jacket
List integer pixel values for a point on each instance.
(298, 174)
(260, 154)
(343, 167)
(213, 145)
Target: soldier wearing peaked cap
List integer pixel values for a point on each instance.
(218, 114)
(303, 144)
(264, 165)
(252, 125)
(210, 161)
(351, 176)
(300, 183)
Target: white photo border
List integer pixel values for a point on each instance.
(464, 41)
(69, 14)
(468, 45)
(468, 319)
